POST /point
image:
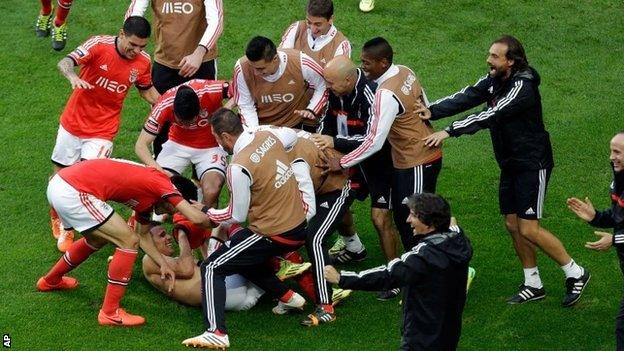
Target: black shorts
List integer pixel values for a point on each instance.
(377, 172)
(522, 193)
(165, 78)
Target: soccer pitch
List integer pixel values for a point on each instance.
(578, 49)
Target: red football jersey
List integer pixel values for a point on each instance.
(199, 134)
(126, 182)
(92, 113)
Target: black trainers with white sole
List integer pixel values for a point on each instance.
(345, 256)
(574, 289)
(525, 294)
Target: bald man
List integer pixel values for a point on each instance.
(343, 128)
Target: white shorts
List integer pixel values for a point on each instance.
(77, 210)
(177, 157)
(70, 149)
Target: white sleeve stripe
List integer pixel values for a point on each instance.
(459, 92)
(287, 33)
(513, 93)
(212, 39)
(369, 136)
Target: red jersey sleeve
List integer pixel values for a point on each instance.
(161, 113)
(144, 80)
(83, 53)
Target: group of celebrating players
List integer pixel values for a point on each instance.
(313, 133)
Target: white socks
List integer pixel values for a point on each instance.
(353, 243)
(572, 270)
(532, 278)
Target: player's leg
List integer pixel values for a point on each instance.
(379, 185)
(116, 231)
(532, 289)
(406, 182)
(530, 194)
(211, 167)
(320, 227)
(59, 27)
(44, 19)
(66, 152)
(76, 210)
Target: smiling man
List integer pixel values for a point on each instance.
(316, 35)
(524, 154)
(432, 274)
(271, 86)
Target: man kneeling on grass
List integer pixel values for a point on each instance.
(432, 275)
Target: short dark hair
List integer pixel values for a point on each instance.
(186, 104)
(379, 48)
(226, 121)
(260, 48)
(515, 51)
(431, 209)
(185, 186)
(137, 26)
(320, 8)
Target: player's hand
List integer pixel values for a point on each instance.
(329, 164)
(322, 141)
(77, 83)
(436, 139)
(331, 274)
(305, 114)
(166, 273)
(190, 63)
(584, 210)
(602, 244)
(422, 111)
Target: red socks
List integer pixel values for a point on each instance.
(287, 296)
(46, 7)
(306, 283)
(119, 274)
(62, 11)
(74, 256)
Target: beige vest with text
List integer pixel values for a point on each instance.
(408, 130)
(178, 27)
(323, 184)
(276, 205)
(277, 101)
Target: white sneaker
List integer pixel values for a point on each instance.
(296, 302)
(208, 340)
(367, 5)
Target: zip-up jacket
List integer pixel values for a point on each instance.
(613, 217)
(433, 277)
(513, 114)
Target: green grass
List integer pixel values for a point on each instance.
(576, 46)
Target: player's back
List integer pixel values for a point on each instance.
(122, 181)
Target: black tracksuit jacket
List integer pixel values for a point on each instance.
(613, 217)
(433, 277)
(513, 115)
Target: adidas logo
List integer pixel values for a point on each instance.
(323, 61)
(291, 82)
(530, 211)
(382, 200)
(324, 205)
(404, 202)
(104, 67)
(282, 175)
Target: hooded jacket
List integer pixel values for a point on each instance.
(433, 276)
(513, 115)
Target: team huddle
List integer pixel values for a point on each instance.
(297, 135)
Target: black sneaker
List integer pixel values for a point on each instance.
(386, 295)
(319, 316)
(525, 294)
(574, 289)
(345, 256)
